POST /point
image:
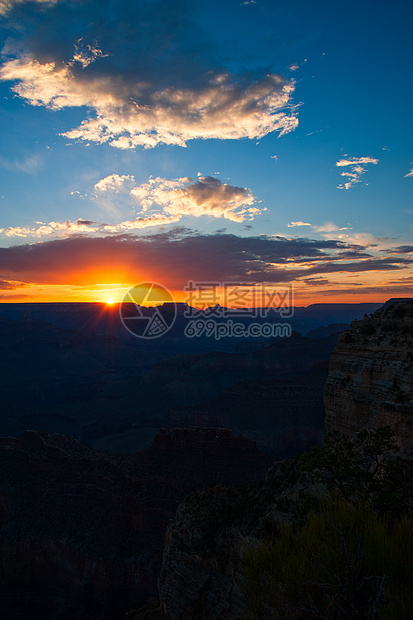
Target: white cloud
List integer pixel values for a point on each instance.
(205, 196)
(86, 54)
(409, 174)
(357, 160)
(366, 240)
(7, 5)
(113, 182)
(292, 224)
(158, 202)
(330, 230)
(136, 113)
(328, 227)
(357, 169)
(68, 228)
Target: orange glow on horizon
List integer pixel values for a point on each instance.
(110, 291)
(111, 295)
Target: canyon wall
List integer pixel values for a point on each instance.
(370, 380)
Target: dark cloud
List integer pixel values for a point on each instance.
(15, 296)
(401, 249)
(380, 292)
(80, 222)
(315, 281)
(349, 254)
(5, 285)
(174, 258)
(373, 264)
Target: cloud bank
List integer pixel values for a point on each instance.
(175, 257)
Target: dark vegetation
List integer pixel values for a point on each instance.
(343, 562)
(349, 551)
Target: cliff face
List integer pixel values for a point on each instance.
(370, 380)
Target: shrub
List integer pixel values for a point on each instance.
(363, 468)
(343, 563)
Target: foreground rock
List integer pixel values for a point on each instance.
(370, 381)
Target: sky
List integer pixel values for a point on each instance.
(254, 142)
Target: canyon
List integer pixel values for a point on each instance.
(90, 534)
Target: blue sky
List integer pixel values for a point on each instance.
(148, 125)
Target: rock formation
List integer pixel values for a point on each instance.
(370, 381)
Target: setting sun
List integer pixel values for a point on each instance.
(110, 301)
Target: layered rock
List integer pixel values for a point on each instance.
(370, 380)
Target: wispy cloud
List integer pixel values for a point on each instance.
(329, 227)
(409, 174)
(311, 133)
(29, 165)
(357, 167)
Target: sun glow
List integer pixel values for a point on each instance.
(110, 301)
